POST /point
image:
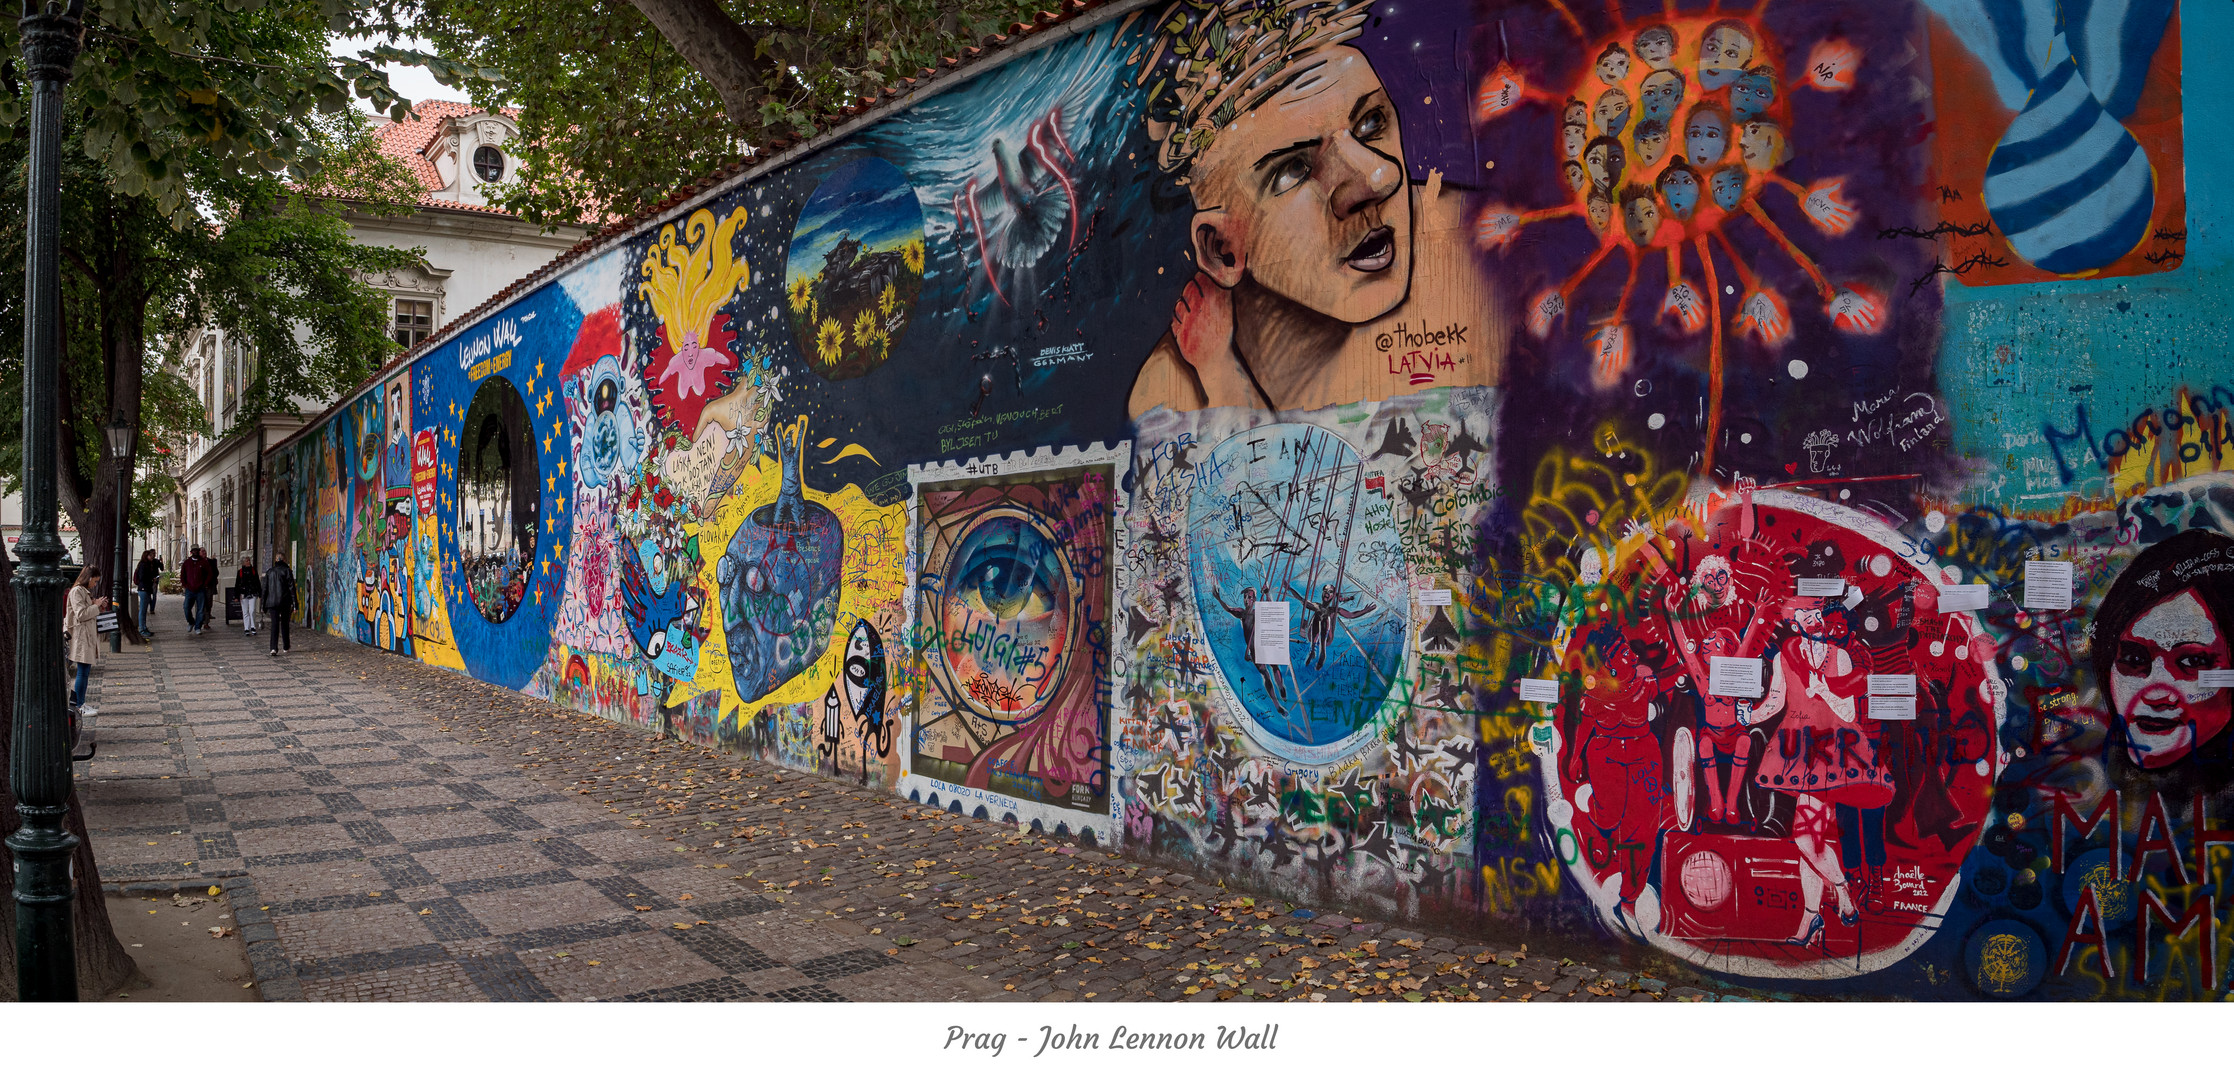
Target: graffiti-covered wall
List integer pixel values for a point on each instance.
(1737, 482)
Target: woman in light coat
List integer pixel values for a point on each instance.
(84, 641)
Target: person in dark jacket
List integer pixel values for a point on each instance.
(198, 576)
(251, 589)
(279, 602)
(146, 578)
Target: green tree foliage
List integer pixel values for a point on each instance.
(203, 145)
(616, 111)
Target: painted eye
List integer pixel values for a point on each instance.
(1288, 174)
(2132, 659)
(1013, 577)
(1371, 125)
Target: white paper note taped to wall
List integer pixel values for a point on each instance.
(1892, 685)
(1271, 644)
(1899, 707)
(2218, 679)
(2048, 585)
(1822, 586)
(1434, 597)
(1735, 676)
(1544, 690)
(1953, 598)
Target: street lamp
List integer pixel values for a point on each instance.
(121, 434)
(39, 761)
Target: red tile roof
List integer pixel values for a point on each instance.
(406, 142)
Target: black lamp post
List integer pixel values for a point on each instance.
(39, 765)
(121, 434)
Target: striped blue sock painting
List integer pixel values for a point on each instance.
(2068, 186)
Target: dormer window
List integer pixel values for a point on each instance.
(488, 164)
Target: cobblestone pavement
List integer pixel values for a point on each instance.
(389, 830)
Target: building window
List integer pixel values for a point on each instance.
(488, 164)
(414, 322)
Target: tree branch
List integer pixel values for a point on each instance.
(722, 51)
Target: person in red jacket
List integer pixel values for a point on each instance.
(198, 577)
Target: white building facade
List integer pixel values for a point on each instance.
(473, 250)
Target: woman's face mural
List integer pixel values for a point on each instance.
(1662, 93)
(1706, 137)
(1723, 55)
(1612, 112)
(1603, 161)
(2156, 680)
(2162, 625)
(1753, 93)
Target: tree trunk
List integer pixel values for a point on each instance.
(722, 51)
(104, 965)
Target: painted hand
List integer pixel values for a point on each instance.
(1499, 93)
(1685, 306)
(1827, 207)
(1857, 310)
(1495, 227)
(1763, 315)
(1545, 310)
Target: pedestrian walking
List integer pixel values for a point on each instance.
(251, 589)
(147, 577)
(198, 576)
(79, 631)
(279, 602)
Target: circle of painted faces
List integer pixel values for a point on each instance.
(1594, 165)
(2156, 682)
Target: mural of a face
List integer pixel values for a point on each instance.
(1600, 209)
(2162, 624)
(1706, 136)
(1641, 215)
(1656, 46)
(1572, 138)
(1612, 112)
(1604, 162)
(1651, 141)
(1662, 94)
(1729, 187)
(1574, 175)
(1762, 146)
(1613, 65)
(1680, 186)
(1306, 192)
(2156, 685)
(1753, 93)
(1724, 54)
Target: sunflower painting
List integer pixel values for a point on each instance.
(855, 268)
(830, 343)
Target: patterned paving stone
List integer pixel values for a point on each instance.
(394, 831)
(387, 860)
